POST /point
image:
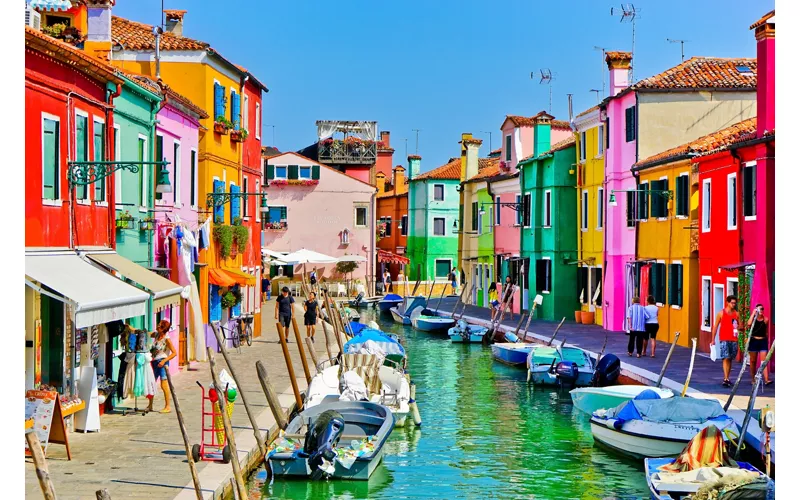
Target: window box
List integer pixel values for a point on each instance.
(222, 125)
(125, 220)
(238, 135)
(147, 224)
(276, 226)
(294, 182)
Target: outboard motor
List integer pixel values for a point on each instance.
(358, 299)
(607, 371)
(321, 439)
(567, 372)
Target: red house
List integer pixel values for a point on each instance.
(63, 84)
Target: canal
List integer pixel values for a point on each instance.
(485, 434)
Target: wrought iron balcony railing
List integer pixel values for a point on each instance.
(339, 152)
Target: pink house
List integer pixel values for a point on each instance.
(517, 133)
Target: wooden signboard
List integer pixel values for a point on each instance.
(44, 407)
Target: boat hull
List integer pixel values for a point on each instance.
(474, 338)
(433, 325)
(651, 466)
(399, 318)
(361, 470)
(540, 372)
(386, 305)
(591, 399)
(511, 354)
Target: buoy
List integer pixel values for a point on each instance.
(413, 390)
(415, 412)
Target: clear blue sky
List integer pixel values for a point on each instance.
(443, 66)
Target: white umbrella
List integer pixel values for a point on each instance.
(277, 255)
(305, 256)
(352, 258)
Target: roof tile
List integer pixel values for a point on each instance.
(137, 36)
(704, 73)
(761, 22)
(449, 171)
(65, 52)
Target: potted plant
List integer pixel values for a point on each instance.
(147, 224)
(222, 125)
(124, 220)
(239, 135)
(228, 299)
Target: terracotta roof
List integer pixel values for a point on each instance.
(449, 171)
(200, 112)
(71, 55)
(472, 141)
(593, 108)
(172, 14)
(487, 163)
(560, 124)
(487, 167)
(569, 141)
(496, 151)
(761, 22)
(739, 132)
(269, 151)
(520, 121)
(142, 81)
(704, 73)
(617, 55)
(530, 121)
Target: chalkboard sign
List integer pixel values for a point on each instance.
(44, 407)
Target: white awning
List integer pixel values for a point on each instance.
(165, 292)
(305, 256)
(97, 297)
(277, 255)
(352, 258)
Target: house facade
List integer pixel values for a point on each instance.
(506, 216)
(391, 203)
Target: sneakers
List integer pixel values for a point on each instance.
(726, 383)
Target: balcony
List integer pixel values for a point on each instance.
(348, 151)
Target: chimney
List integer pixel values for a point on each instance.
(399, 179)
(469, 156)
(98, 29)
(380, 182)
(619, 68)
(413, 165)
(765, 75)
(541, 133)
(385, 139)
(174, 21)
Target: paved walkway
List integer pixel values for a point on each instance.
(139, 456)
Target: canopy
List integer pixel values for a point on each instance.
(97, 296)
(219, 277)
(369, 338)
(305, 256)
(277, 255)
(668, 410)
(240, 277)
(738, 265)
(165, 292)
(391, 258)
(56, 5)
(352, 258)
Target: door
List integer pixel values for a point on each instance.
(719, 304)
(52, 312)
(476, 276)
(489, 273)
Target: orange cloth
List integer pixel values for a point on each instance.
(706, 449)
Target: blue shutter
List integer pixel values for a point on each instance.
(235, 110)
(235, 204)
(236, 310)
(219, 100)
(219, 213)
(215, 304)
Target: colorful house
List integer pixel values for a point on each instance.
(591, 201)
(548, 236)
(506, 216)
(697, 97)
(351, 147)
(433, 215)
(391, 203)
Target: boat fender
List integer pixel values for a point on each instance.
(615, 424)
(413, 389)
(510, 337)
(412, 405)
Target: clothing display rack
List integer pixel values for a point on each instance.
(135, 409)
(133, 350)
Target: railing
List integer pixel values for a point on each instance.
(337, 152)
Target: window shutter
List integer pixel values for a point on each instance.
(662, 283)
(219, 101)
(270, 172)
(283, 213)
(474, 216)
(292, 172)
(679, 196)
(219, 213)
(608, 133)
(747, 185)
(627, 125)
(315, 172)
(642, 215)
(50, 190)
(215, 311)
(679, 285)
(655, 201)
(235, 109)
(235, 205)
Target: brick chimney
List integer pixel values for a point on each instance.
(174, 21)
(413, 166)
(380, 182)
(385, 139)
(98, 29)
(765, 76)
(541, 133)
(619, 69)
(469, 156)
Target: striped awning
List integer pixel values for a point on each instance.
(738, 265)
(56, 5)
(391, 258)
(165, 293)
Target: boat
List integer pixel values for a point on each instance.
(591, 399)
(361, 301)
(370, 341)
(402, 312)
(556, 365)
(312, 449)
(512, 353)
(465, 333)
(650, 427)
(428, 322)
(389, 301)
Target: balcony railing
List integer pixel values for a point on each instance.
(356, 152)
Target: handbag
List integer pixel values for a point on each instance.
(715, 355)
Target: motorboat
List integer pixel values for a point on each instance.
(342, 440)
(389, 301)
(465, 333)
(560, 365)
(361, 301)
(402, 312)
(650, 427)
(428, 322)
(591, 399)
(512, 353)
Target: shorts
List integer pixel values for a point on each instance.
(758, 345)
(728, 349)
(310, 319)
(453, 284)
(285, 320)
(159, 372)
(651, 330)
(496, 304)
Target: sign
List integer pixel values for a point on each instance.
(37, 353)
(41, 406)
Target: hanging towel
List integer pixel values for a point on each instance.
(185, 251)
(130, 374)
(139, 385)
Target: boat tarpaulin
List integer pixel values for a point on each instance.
(368, 340)
(706, 449)
(165, 292)
(670, 410)
(98, 297)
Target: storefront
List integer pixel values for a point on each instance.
(228, 288)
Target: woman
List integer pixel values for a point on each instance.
(493, 299)
(650, 325)
(508, 297)
(163, 351)
(387, 282)
(310, 317)
(313, 278)
(759, 345)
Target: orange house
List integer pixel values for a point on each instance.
(392, 218)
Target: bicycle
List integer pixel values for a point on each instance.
(245, 327)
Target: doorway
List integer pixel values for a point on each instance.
(719, 302)
(52, 342)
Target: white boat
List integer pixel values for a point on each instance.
(666, 486)
(655, 428)
(548, 364)
(591, 399)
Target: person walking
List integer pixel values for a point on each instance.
(453, 281)
(266, 293)
(387, 282)
(493, 302)
(636, 320)
(508, 297)
(162, 351)
(283, 311)
(727, 321)
(759, 344)
(651, 326)
(313, 279)
(310, 317)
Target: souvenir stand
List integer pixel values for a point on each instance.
(136, 378)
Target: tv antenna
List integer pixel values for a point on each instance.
(602, 66)
(490, 138)
(670, 40)
(546, 78)
(416, 149)
(596, 93)
(628, 12)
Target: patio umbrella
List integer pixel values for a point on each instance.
(305, 256)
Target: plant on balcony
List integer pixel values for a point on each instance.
(54, 30)
(147, 224)
(228, 300)
(239, 135)
(241, 234)
(124, 220)
(380, 229)
(222, 125)
(276, 226)
(328, 141)
(223, 235)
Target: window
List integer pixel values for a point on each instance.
(82, 149)
(438, 226)
(100, 155)
(442, 268)
(404, 225)
(142, 156)
(543, 275)
(642, 201)
(583, 146)
(193, 173)
(607, 131)
(345, 237)
(749, 191)
(658, 200)
(630, 124)
(219, 101)
(706, 205)
(585, 210)
(732, 287)
(706, 299)
(732, 208)
(601, 203)
(276, 218)
(361, 216)
(388, 225)
(438, 192)
(508, 148)
(597, 286)
(658, 282)
(497, 211)
(305, 172)
(527, 210)
(601, 139)
(490, 220)
(474, 215)
(246, 199)
(246, 113)
(159, 156)
(547, 208)
(630, 199)
(480, 220)
(258, 122)
(519, 210)
(176, 173)
(235, 111)
(682, 195)
(676, 285)
(584, 292)
(51, 146)
(281, 172)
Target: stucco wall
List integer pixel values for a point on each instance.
(423, 246)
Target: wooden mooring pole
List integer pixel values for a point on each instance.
(301, 350)
(666, 360)
(185, 435)
(289, 366)
(272, 396)
(40, 464)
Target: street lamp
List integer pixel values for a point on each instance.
(264, 207)
(162, 181)
(85, 173)
(612, 199)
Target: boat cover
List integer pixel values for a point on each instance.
(369, 340)
(357, 327)
(667, 410)
(391, 297)
(546, 355)
(353, 387)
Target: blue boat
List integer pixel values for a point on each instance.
(389, 301)
(371, 339)
(512, 353)
(428, 322)
(465, 333)
(402, 313)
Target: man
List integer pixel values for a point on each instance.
(387, 282)
(636, 319)
(453, 281)
(727, 321)
(266, 293)
(283, 311)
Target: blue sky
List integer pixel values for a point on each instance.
(443, 66)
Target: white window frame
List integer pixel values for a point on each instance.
(444, 221)
(709, 304)
(145, 171)
(176, 169)
(196, 181)
(688, 193)
(480, 219)
(664, 178)
(528, 201)
(246, 199)
(585, 210)
(714, 287)
(101, 121)
(705, 206)
(547, 211)
(245, 113)
(355, 216)
(747, 218)
(118, 174)
(729, 288)
(56, 202)
(258, 201)
(601, 140)
(300, 172)
(550, 285)
(258, 121)
(490, 225)
(285, 177)
(85, 114)
(434, 192)
(449, 267)
(497, 210)
(583, 146)
(731, 200)
(600, 208)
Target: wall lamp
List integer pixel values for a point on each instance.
(612, 200)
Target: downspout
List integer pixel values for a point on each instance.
(372, 239)
(241, 148)
(739, 220)
(111, 152)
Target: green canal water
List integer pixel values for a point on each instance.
(485, 434)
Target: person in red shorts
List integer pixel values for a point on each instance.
(728, 322)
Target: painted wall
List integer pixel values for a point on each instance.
(424, 248)
(506, 233)
(521, 142)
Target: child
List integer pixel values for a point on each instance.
(493, 299)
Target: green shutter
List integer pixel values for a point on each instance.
(270, 172)
(679, 196)
(100, 155)
(283, 213)
(82, 149)
(315, 172)
(642, 208)
(50, 182)
(293, 172)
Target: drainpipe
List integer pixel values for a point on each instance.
(157, 35)
(372, 239)
(112, 195)
(739, 220)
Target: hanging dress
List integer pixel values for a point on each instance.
(130, 374)
(139, 386)
(149, 377)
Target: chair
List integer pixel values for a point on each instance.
(341, 289)
(360, 289)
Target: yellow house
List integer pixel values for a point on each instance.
(667, 241)
(591, 198)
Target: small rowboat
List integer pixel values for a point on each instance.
(402, 314)
(466, 333)
(664, 487)
(548, 364)
(427, 322)
(512, 353)
(591, 399)
(389, 301)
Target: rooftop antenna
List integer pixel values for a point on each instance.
(490, 138)
(670, 40)
(628, 12)
(596, 93)
(416, 148)
(602, 67)
(546, 78)
(406, 147)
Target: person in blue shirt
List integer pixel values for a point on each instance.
(636, 318)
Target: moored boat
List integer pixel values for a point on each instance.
(389, 301)
(427, 322)
(465, 333)
(549, 365)
(591, 399)
(512, 353)
(402, 313)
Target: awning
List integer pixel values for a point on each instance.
(277, 255)
(98, 297)
(241, 277)
(165, 292)
(352, 258)
(738, 265)
(228, 276)
(391, 258)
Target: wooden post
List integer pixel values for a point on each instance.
(186, 443)
(345, 324)
(331, 315)
(464, 302)
(105, 495)
(666, 360)
(741, 370)
(460, 299)
(419, 277)
(603, 350)
(250, 414)
(519, 325)
(746, 421)
(40, 464)
(528, 323)
(441, 296)
(691, 367)
(430, 291)
(312, 352)
(289, 366)
(327, 338)
(556, 330)
(301, 350)
(272, 397)
(226, 424)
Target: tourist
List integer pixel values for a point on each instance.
(160, 363)
(651, 325)
(313, 279)
(266, 292)
(508, 297)
(636, 330)
(310, 317)
(387, 282)
(759, 344)
(495, 304)
(453, 281)
(283, 311)
(727, 321)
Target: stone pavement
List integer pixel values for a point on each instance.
(137, 456)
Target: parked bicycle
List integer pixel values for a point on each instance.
(243, 332)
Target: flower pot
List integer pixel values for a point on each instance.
(587, 317)
(577, 316)
(220, 128)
